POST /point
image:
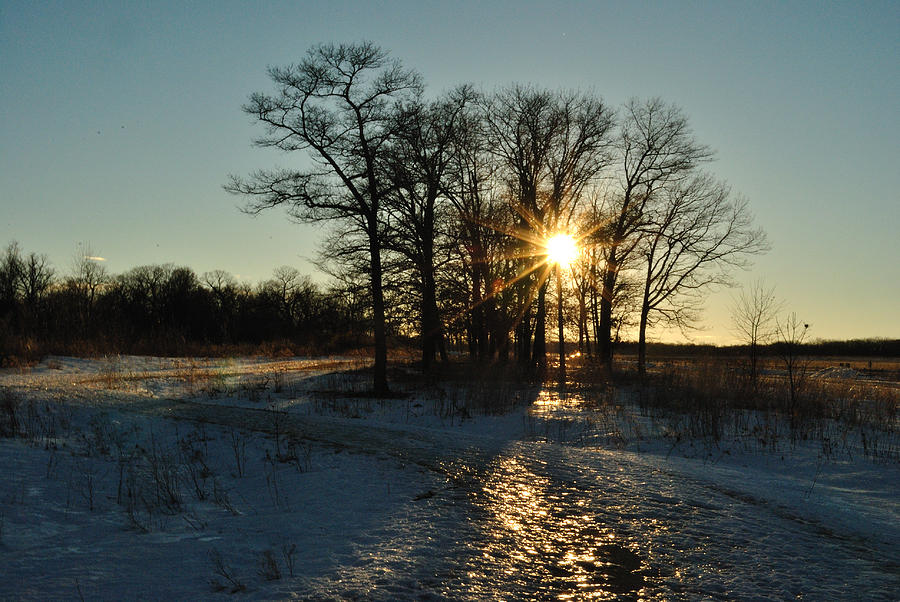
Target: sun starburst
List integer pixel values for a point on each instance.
(561, 249)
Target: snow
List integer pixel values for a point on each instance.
(286, 489)
(839, 372)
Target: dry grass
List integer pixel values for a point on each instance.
(716, 399)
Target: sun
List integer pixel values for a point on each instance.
(561, 250)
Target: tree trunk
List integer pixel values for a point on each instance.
(523, 337)
(428, 347)
(432, 332)
(539, 351)
(379, 371)
(754, 354)
(581, 332)
(559, 325)
(645, 312)
(584, 333)
(442, 345)
(604, 337)
(477, 315)
(587, 334)
(642, 342)
(595, 319)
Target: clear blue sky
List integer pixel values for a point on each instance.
(120, 121)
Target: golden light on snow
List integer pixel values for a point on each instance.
(561, 249)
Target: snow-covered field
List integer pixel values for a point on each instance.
(152, 478)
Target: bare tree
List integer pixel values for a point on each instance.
(583, 283)
(11, 270)
(480, 220)
(655, 147)
(419, 162)
(89, 275)
(520, 128)
(690, 240)
(791, 334)
(580, 152)
(298, 299)
(226, 298)
(160, 297)
(338, 104)
(551, 146)
(286, 282)
(753, 316)
(12, 266)
(36, 278)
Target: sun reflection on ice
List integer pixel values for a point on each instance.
(549, 541)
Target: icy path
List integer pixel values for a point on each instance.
(520, 519)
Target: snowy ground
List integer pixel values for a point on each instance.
(149, 478)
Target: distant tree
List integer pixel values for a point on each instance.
(12, 267)
(338, 104)
(37, 276)
(36, 280)
(224, 290)
(580, 273)
(296, 300)
(791, 333)
(344, 256)
(753, 316)
(89, 275)
(181, 304)
(286, 283)
(349, 306)
(157, 300)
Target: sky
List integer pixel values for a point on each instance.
(121, 121)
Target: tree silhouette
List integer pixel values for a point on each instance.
(691, 237)
(655, 148)
(753, 316)
(339, 104)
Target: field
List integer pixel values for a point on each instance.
(164, 478)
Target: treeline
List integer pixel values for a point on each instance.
(167, 309)
(852, 347)
(880, 348)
